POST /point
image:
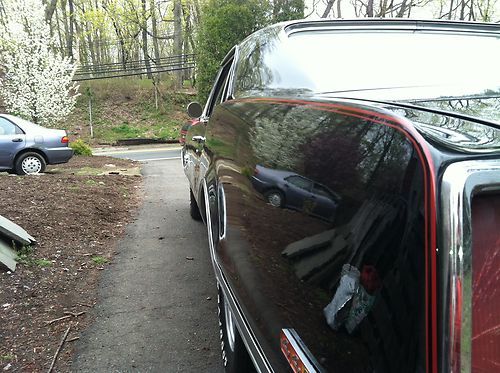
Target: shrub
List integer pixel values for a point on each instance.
(81, 147)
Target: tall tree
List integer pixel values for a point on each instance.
(177, 49)
(285, 10)
(144, 32)
(224, 24)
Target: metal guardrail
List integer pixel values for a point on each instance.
(132, 68)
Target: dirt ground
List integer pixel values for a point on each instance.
(77, 212)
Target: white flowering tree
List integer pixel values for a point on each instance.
(36, 83)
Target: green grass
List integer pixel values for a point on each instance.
(125, 109)
(99, 260)
(7, 357)
(26, 257)
(42, 263)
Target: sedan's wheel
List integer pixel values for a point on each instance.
(193, 207)
(30, 163)
(275, 198)
(234, 353)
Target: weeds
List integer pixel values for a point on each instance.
(99, 260)
(7, 357)
(25, 257)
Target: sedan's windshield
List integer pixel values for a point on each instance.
(396, 63)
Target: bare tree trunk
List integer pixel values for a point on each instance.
(59, 35)
(154, 28)
(328, 8)
(369, 8)
(97, 39)
(339, 9)
(49, 10)
(145, 40)
(177, 50)
(71, 29)
(90, 42)
(451, 9)
(121, 41)
(402, 10)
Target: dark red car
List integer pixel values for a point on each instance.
(401, 119)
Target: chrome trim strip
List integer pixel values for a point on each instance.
(461, 181)
(300, 348)
(374, 24)
(254, 350)
(222, 206)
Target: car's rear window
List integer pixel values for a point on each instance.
(485, 346)
(352, 61)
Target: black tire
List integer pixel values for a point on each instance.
(275, 198)
(193, 207)
(235, 356)
(30, 163)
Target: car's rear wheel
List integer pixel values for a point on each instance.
(275, 198)
(193, 207)
(234, 353)
(30, 163)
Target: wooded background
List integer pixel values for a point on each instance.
(131, 35)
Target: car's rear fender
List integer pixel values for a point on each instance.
(31, 150)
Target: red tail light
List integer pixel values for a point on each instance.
(485, 305)
(65, 140)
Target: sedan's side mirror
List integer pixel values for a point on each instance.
(194, 110)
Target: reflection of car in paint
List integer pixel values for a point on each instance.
(406, 277)
(287, 189)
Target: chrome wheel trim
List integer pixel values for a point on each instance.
(274, 199)
(230, 327)
(31, 165)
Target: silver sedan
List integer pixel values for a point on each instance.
(26, 148)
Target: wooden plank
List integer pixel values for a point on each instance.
(311, 264)
(14, 232)
(309, 244)
(7, 256)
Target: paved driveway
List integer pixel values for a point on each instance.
(143, 153)
(157, 310)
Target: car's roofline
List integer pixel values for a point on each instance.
(389, 24)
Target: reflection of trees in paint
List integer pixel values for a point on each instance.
(357, 157)
(252, 73)
(457, 132)
(279, 133)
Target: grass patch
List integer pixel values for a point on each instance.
(6, 358)
(99, 260)
(126, 108)
(42, 263)
(25, 257)
(90, 171)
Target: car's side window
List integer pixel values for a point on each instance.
(322, 191)
(219, 90)
(8, 128)
(300, 182)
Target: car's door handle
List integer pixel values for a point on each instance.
(198, 138)
(17, 140)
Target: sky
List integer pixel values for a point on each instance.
(315, 8)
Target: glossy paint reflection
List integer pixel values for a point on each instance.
(285, 262)
(455, 133)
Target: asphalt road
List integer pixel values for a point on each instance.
(157, 310)
(143, 153)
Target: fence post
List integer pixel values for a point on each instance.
(88, 92)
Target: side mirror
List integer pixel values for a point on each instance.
(194, 110)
